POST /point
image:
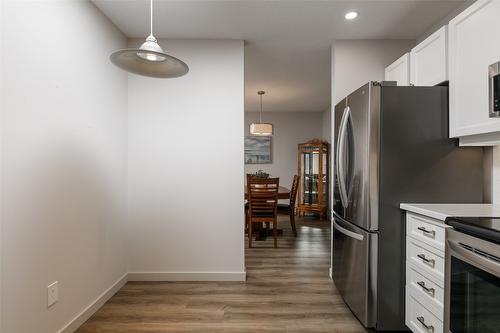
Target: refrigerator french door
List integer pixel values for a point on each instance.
(391, 145)
(355, 228)
(356, 167)
(355, 251)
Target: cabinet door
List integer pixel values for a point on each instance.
(474, 37)
(428, 60)
(399, 71)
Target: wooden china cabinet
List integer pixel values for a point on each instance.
(313, 167)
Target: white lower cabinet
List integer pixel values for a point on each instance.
(425, 245)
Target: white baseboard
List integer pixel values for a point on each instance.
(187, 276)
(83, 316)
(73, 325)
(330, 272)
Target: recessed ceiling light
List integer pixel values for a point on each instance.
(351, 15)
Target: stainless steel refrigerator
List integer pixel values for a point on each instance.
(391, 145)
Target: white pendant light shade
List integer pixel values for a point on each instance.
(149, 63)
(149, 59)
(260, 128)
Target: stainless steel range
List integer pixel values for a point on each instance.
(472, 276)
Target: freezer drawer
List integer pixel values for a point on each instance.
(355, 269)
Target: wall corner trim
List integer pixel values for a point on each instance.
(83, 316)
(188, 276)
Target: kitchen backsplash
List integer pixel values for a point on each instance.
(492, 174)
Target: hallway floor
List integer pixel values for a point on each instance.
(287, 290)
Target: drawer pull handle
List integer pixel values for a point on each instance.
(429, 233)
(430, 262)
(430, 291)
(429, 328)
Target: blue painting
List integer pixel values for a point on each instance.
(258, 150)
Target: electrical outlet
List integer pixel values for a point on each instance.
(52, 294)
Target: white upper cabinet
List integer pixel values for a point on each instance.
(474, 44)
(429, 60)
(399, 71)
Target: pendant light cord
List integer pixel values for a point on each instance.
(151, 17)
(260, 117)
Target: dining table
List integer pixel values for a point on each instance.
(283, 194)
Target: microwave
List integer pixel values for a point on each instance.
(494, 89)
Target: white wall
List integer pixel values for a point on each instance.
(488, 174)
(327, 136)
(290, 129)
(327, 125)
(355, 62)
(63, 162)
(186, 165)
(1, 154)
(492, 173)
(445, 20)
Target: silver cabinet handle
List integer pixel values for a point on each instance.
(429, 328)
(430, 291)
(430, 262)
(430, 233)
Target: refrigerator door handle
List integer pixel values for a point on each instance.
(348, 233)
(338, 158)
(341, 157)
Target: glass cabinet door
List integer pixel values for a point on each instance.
(310, 175)
(315, 177)
(313, 172)
(305, 176)
(324, 177)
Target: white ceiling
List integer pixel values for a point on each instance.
(287, 51)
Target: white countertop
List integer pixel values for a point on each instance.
(442, 211)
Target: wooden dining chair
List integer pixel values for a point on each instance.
(262, 204)
(289, 209)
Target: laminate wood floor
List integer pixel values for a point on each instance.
(287, 290)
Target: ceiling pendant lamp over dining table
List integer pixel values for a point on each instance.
(149, 59)
(260, 128)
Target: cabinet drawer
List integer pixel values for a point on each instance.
(426, 230)
(426, 259)
(421, 320)
(426, 291)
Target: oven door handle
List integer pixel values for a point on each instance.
(481, 259)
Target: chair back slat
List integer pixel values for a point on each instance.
(262, 196)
